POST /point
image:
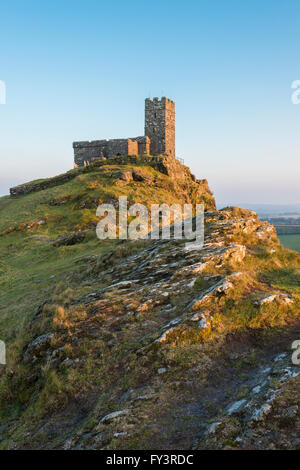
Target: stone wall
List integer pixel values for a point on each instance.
(39, 185)
(143, 145)
(86, 152)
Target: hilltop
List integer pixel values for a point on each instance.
(122, 344)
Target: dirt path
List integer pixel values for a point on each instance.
(241, 383)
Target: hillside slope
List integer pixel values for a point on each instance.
(143, 344)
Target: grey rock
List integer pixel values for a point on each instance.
(114, 415)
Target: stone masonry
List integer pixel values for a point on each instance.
(159, 138)
(160, 125)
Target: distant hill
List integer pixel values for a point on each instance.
(271, 209)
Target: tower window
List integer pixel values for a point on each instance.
(155, 115)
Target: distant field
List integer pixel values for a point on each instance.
(290, 241)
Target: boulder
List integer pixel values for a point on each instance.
(115, 414)
(37, 346)
(142, 176)
(68, 239)
(124, 176)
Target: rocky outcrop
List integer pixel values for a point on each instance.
(69, 239)
(182, 175)
(142, 176)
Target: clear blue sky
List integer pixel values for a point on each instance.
(80, 70)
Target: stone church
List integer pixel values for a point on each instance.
(159, 138)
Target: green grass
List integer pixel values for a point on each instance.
(30, 270)
(290, 241)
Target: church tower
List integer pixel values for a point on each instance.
(160, 125)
